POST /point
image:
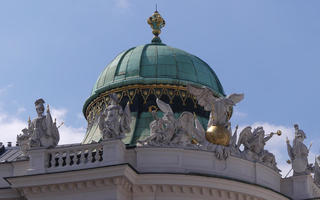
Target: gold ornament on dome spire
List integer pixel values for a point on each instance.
(156, 22)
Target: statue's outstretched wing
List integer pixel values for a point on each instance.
(164, 107)
(126, 119)
(244, 136)
(233, 99)
(199, 130)
(204, 96)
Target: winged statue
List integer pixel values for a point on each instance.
(169, 130)
(218, 106)
(254, 143)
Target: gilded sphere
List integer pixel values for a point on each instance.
(218, 135)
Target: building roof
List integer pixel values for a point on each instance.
(155, 63)
(11, 154)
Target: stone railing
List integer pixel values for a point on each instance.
(69, 156)
(150, 160)
(76, 156)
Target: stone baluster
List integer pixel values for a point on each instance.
(68, 160)
(100, 154)
(72, 157)
(82, 157)
(60, 159)
(90, 150)
(53, 159)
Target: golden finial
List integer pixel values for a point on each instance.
(156, 22)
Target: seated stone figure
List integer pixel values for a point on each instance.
(170, 131)
(41, 131)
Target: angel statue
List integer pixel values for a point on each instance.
(161, 129)
(41, 131)
(114, 122)
(218, 107)
(254, 143)
(189, 131)
(168, 130)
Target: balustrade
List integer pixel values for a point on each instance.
(70, 156)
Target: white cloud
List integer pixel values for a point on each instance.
(11, 126)
(69, 134)
(59, 114)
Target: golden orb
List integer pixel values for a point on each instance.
(218, 135)
(279, 132)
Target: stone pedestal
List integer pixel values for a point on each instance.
(300, 187)
(113, 152)
(37, 161)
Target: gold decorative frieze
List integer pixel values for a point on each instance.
(131, 91)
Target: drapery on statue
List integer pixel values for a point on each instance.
(41, 131)
(169, 131)
(114, 122)
(218, 130)
(298, 153)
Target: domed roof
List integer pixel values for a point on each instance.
(156, 63)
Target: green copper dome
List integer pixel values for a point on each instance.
(142, 74)
(155, 63)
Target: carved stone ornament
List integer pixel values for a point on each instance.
(41, 132)
(114, 122)
(185, 132)
(298, 153)
(253, 146)
(218, 130)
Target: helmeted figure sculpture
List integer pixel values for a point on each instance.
(317, 171)
(114, 122)
(41, 132)
(254, 143)
(298, 153)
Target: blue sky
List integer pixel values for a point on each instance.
(268, 49)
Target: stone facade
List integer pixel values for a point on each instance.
(135, 173)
